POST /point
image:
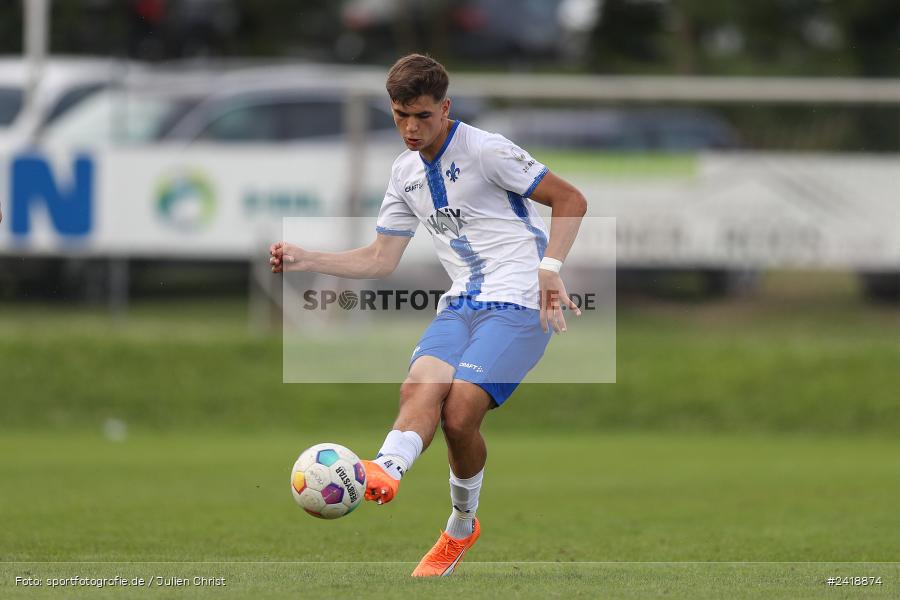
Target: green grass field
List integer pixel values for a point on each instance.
(748, 450)
(579, 515)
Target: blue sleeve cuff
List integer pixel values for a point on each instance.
(534, 184)
(400, 232)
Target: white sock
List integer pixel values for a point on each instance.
(464, 496)
(399, 451)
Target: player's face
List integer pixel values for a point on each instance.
(421, 123)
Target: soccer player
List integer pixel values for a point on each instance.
(472, 190)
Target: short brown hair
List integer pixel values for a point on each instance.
(417, 75)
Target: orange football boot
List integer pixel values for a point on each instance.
(443, 557)
(380, 487)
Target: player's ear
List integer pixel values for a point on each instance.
(445, 107)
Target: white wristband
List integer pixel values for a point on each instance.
(550, 264)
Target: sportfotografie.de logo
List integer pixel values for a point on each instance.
(387, 300)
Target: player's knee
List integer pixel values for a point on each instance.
(457, 424)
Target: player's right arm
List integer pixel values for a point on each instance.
(378, 259)
(395, 227)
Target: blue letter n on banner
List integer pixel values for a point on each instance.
(32, 182)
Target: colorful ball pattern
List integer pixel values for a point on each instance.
(328, 481)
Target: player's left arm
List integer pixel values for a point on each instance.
(568, 208)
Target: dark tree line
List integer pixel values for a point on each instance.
(777, 37)
(749, 37)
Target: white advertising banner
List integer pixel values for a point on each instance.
(176, 202)
(717, 210)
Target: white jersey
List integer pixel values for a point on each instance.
(473, 200)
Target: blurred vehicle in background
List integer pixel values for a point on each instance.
(624, 130)
(65, 82)
(280, 104)
(284, 104)
(139, 109)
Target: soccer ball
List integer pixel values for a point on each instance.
(328, 481)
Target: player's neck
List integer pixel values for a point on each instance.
(431, 151)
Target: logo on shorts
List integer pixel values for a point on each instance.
(474, 367)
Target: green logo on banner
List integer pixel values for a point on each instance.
(186, 201)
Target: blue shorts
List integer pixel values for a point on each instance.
(491, 344)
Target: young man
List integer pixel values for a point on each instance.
(471, 190)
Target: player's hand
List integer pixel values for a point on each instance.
(553, 298)
(286, 257)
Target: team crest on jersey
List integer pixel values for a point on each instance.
(453, 172)
(446, 221)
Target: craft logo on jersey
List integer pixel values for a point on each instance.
(453, 172)
(446, 221)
